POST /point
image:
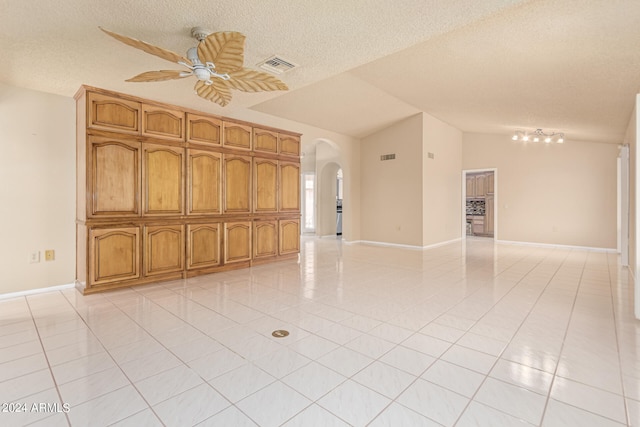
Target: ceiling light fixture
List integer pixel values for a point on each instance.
(538, 135)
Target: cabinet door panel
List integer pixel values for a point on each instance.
(114, 254)
(203, 245)
(480, 186)
(289, 187)
(205, 173)
(471, 186)
(236, 135)
(289, 236)
(113, 114)
(264, 140)
(237, 242)
(163, 178)
(265, 183)
(289, 145)
(203, 129)
(115, 177)
(237, 184)
(163, 249)
(159, 122)
(265, 239)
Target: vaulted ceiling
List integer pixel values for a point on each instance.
(482, 66)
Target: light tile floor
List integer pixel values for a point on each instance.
(467, 334)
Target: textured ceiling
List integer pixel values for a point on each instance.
(482, 66)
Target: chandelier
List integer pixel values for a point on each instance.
(537, 136)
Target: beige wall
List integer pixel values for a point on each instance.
(554, 194)
(37, 171)
(391, 199)
(442, 201)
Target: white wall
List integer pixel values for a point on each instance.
(550, 193)
(442, 201)
(37, 171)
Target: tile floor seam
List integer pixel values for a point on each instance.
(519, 327)
(615, 328)
(55, 383)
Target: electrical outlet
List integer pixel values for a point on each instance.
(34, 256)
(49, 255)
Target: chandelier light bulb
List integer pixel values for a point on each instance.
(561, 140)
(515, 137)
(547, 139)
(525, 138)
(536, 139)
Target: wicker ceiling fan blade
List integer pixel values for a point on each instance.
(216, 92)
(254, 81)
(224, 49)
(148, 48)
(158, 76)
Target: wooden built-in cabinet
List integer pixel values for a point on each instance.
(114, 254)
(163, 249)
(237, 183)
(289, 184)
(203, 245)
(204, 187)
(236, 135)
(265, 239)
(265, 182)
(164, 192)
(289, 236)
(113, 177)
(237, 241)
(163, 172)
(204, 130)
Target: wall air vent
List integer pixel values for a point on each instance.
(387, 157)
(277, 65)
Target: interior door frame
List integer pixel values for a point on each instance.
(495, 199)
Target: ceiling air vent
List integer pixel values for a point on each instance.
(277, 65)
(387, 157)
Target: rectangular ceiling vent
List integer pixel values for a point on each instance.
(277, 65)
(387, 157)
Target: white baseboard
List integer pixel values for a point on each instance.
(399, 245)
(553, 245)
(35, 291)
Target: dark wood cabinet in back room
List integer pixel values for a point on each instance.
(166, 193)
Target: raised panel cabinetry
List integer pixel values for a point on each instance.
(289, 184)
(165, 193)
(265, 239)
(265, 141)
(236, 135)
(204, 186)
(204, 130)
(163, 249)
(289, 145)
(112, 114)
(162, 123)
(113, 177)
(237, 183)
(163, 169)
(265, 183)
(289, 236)
(203, 245)
(237, 241)
(114, 255)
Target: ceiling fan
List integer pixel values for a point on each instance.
(217, 63)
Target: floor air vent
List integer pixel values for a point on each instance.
(387, 157)
(277, 65)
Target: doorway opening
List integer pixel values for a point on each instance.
(308, 202)
(479, 203)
